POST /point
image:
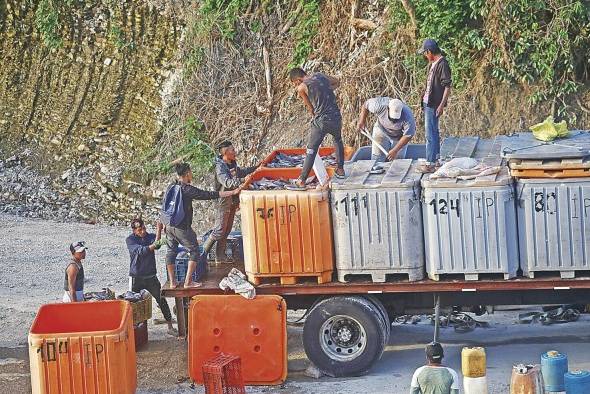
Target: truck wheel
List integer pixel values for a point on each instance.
(344, 336)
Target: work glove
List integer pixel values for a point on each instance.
(161, 242)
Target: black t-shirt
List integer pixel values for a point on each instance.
(190, 193)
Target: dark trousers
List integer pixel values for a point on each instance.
(152, 285)
(319, 129)
(226, 211)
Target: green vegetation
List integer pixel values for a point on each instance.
(304, 31)
(47, 22)
(537, 43)
(194, 150)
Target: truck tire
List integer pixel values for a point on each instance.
(383, 312)
(344, 336)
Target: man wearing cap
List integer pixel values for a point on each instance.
(434, 99)
(317, 92)
(434, 378)
(183, 233)
(228, 176)
(394, 126)
(74, 278)
(142, 268)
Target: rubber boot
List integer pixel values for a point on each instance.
(206, 249)
(220, 256)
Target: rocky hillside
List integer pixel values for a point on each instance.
(98, 97)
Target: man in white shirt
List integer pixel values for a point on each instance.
(394, 126)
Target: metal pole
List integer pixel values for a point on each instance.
(436, 317)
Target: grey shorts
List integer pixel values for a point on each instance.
(185, 237)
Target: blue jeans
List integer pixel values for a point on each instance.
(432, 135)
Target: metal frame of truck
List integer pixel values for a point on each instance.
(347, 325)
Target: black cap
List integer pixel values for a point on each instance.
(429, 45)
(224, 144)
(434, 352)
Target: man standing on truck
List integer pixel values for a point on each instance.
(142, 268)
(317, 92)
(393, 129)
(179, 231)
(434, 99)
(74, 278)
(228, 176)
(433, 378)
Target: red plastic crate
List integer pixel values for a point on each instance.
(223, 375)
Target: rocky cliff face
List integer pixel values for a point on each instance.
(81, 94)
(97, 97)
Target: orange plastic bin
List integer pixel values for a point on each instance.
(323, 151)
(254, 330)
(83, 347)
(287, 234)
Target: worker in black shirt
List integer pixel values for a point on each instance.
(183, 233)
(142, 269)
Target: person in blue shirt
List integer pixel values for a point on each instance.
(142, 269)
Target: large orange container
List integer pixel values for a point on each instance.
(287, 234)
(323, 151)
(254, 330)
(83, 347)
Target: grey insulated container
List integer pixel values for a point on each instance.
(554, 225)
(378, 222)
(470, 225)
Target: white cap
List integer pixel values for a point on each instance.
(395, 108)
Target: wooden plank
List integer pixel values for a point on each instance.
(541, 173)
(550, 164)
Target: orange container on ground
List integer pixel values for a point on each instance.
(254, 330)
(287, 234)
(323, 151)
(83, 347)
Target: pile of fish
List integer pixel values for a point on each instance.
(283, 160)
(279, 184)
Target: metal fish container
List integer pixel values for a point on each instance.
(377, 221)
(470, 226)
(554, 225)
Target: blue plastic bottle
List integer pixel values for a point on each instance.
(554, 367)
(577, 382)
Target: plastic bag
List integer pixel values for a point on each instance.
(548, 130)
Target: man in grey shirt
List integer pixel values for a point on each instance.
(434, 378)
(394, 126)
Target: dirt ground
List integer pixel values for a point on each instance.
(33, 255)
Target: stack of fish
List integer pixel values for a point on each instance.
(283, 160)
(279, 184)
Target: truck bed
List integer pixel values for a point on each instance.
(310, 287)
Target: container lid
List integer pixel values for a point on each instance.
(526, 146)
(501, 178)
(474, 147)
(402, 173)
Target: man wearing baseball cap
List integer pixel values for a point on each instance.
(434, 378)
(74, 277)
(434, 99)
(394, 126)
